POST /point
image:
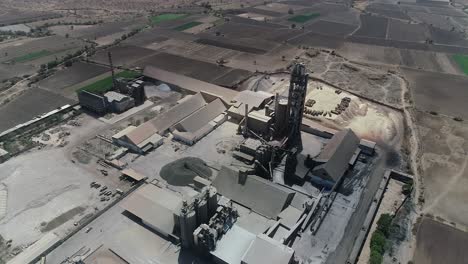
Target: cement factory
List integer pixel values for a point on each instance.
(233, 132)
(263, 199)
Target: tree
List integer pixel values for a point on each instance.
(378, 242)
(384, 223)
(375, 258)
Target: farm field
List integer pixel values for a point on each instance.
(372, 27)
(32, 56)
(79, 72)
(431, 235)
(33, 102)
(462, 62)
(201, 70)
(27, 51)
(165, 17)
(122, 55)
(444, 169)
(105, 84)
(450, 91)
(303, 18)
(331, 28)
(188, 26)
(17, 17)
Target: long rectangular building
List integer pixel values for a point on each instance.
(189, 84)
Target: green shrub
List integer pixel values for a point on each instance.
(406, 188)
(378, 242)
(384, 223)
(375, 258)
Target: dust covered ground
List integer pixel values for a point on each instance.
(48, 189)
(443, 163)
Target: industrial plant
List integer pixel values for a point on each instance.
(260, 201)
(233, 132)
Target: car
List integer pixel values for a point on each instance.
(88, 229)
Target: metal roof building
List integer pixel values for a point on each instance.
(155, 206)
(254, 100)
(265, 249)
(177, 113)
(202, 117)
(336, 155)
(200, 123)
(262, 196)
(233, 245)
(189, 84)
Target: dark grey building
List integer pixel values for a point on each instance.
(92, 102)
(334, 159)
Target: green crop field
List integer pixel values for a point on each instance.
(32, 56)
(105, 84)
(165, 17)
(462, 62)
(187, 25)
(303, 18)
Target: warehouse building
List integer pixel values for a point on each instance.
(4, 155)
(200, 123)
(253, 101)
(92, 102)
(140, 139)
(262, 196)
(118, 102)
(156, 208)
(182, 82)
(335, 158)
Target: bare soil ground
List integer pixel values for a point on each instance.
(390, 202)
(120, 5)
(440, 243)
(443, 164)
(376, 83)
(450, 91)
(47, 192)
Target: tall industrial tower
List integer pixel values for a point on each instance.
(296, 100)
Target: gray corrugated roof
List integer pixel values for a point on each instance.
(337, 153)
(203, 116)
(178, 112)
(114, 96)
(155, 206)
(166, 120)
(265, 249)
(262, 196)
(188, 83)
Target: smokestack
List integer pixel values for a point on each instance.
(246, 118)
(112, 70)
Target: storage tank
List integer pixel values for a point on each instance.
(202, 211)
(212, 201)
(281, 117)
(188, 224)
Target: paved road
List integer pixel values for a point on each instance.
(340, 255)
